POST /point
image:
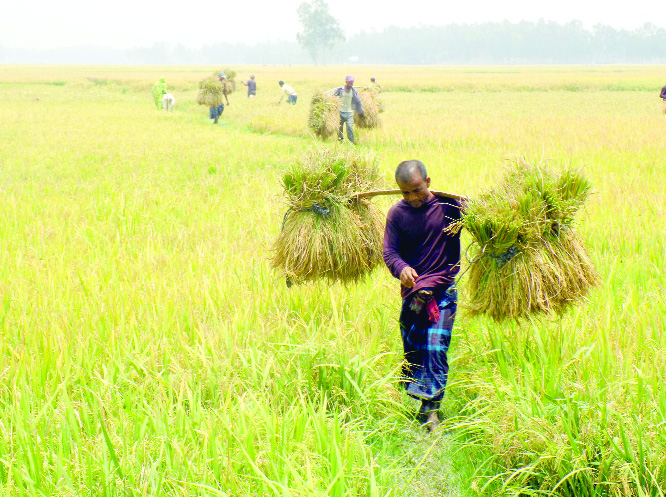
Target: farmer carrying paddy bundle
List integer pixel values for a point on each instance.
(426, 259)
(215, 112)
(159, 90)
(349, 102)
(289, 91)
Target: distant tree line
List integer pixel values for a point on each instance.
(542, 42)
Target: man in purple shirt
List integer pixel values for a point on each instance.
(426, 260)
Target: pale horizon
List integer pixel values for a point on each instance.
(126, 24)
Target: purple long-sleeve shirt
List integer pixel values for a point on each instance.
(415, 237)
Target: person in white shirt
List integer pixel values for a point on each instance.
(289, 91)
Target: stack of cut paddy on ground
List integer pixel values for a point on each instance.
(527, 258)
(371, 109)
(325, 232)
(324, 118)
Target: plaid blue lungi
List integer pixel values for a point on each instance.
(215, 112)
(426, 366)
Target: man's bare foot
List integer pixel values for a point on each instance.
(432, 423)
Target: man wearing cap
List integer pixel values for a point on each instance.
(216, 112)
(251, 87)
(349, 102)
(375, 85)
(287, 90)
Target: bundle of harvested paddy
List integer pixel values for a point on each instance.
(370, 119)
(324, 118)
(210, 91)
(326, 233)
(527, 258)
(230, 82)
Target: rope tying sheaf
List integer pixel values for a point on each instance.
(506, 256)
(318, 209)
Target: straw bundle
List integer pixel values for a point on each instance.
(370, 119)
(528, 259)
(324, 233)
(210, 91)
(230, 82)
(324, 118)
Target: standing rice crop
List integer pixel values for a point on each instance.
(324, 118)
(326, 233)
(371, 109)
(526, 256)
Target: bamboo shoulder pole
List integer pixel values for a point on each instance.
(374, 193)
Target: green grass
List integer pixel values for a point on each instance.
(148, 349)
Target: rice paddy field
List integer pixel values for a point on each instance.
(147, 348)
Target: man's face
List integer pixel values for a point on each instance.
(415, 191)
(348, 85)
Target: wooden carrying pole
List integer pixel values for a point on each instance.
(459, 198)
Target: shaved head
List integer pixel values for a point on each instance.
(408, 169)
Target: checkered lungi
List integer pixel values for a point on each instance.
(426, 344)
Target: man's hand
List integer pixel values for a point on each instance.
(408, 277)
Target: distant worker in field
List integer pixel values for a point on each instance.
(216, 112)
(349, 102)
(426, 260)
(251, 87)
(159, 90)
(662, 95)
(375, 85)
(168, 102)
(289, 91)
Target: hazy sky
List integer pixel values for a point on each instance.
(126, 23)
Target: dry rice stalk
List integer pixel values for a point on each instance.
(325, 233)
(371, 110)
(527, 259)
(324, 118)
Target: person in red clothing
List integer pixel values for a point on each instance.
(426, 259)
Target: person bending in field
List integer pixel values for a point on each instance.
(662, 95)
(159, 90)
(349, 102)
(426, 260)
(287, 90)
(216, 112)
(375, 85)
(251, 87)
